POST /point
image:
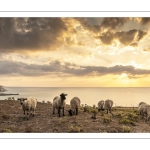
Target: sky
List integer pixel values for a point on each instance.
(75, 51)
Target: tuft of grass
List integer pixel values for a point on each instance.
(87, 108)
(132, 116)
(126, 121)
(107, 120)
(126, 129)
(7, 130)
(94, 112)
(75, 129)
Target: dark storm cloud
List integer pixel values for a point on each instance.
(97, 25)
(145, 20)
(57, 67)
(31, 33)
(113, 22)
(124, 37)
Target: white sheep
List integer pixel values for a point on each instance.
(59, 103)
(108, 105)
(140, 108)
(74, 106)
(101, 105)
(28, 105)
(141, 103)
(144, 110)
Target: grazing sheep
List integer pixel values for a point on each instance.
(140, 108)
(141, 103)
(101, 105)
(59, 103)
(28, 105)
(74, 104)
(108, 105)
(144, 110)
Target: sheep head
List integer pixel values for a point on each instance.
(63, 96)
(22, 100)
(70, 112)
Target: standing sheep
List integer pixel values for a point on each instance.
(74, 104)
(59, 103)
(28, 105)
(101, 105)
(108, 105)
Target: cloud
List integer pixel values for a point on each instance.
(113, 22)
(59, 68)
(17, 34)
(144, 20)
(131, 37)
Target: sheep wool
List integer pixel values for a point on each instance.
(101, 105)
(74, 104)
(28, 105)
(108, 105)
(59, 103)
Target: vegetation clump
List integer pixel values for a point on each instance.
(75, 129)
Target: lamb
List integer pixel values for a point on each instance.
(108, 105)
(74, 104)
(59, 103)
(101, 105)
(28, 105)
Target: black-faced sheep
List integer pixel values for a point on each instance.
(101, 105)
(108, 105)
(28, 105)
(74, 106)
(59, 103)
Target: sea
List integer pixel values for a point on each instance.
(121, 96)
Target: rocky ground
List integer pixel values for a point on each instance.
(121, 120)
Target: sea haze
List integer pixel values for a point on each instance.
(88, 95)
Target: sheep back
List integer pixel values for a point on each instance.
(75, 103)
(108, 104)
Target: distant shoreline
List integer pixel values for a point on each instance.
(4, 94)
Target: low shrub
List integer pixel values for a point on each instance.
(75, 129)
(107, 120)
(126, 129)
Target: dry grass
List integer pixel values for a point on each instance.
(89, 120)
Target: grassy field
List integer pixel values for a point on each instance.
(89, 120)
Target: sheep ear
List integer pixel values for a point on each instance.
(25, 99)
(18, 99)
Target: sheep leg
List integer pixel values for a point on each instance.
(76, 111)
(63, 111)
(59, 111)
(53, 110)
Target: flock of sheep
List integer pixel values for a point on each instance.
(29, 105)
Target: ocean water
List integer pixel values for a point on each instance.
(88, 95)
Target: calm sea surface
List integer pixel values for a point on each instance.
(89, 96)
